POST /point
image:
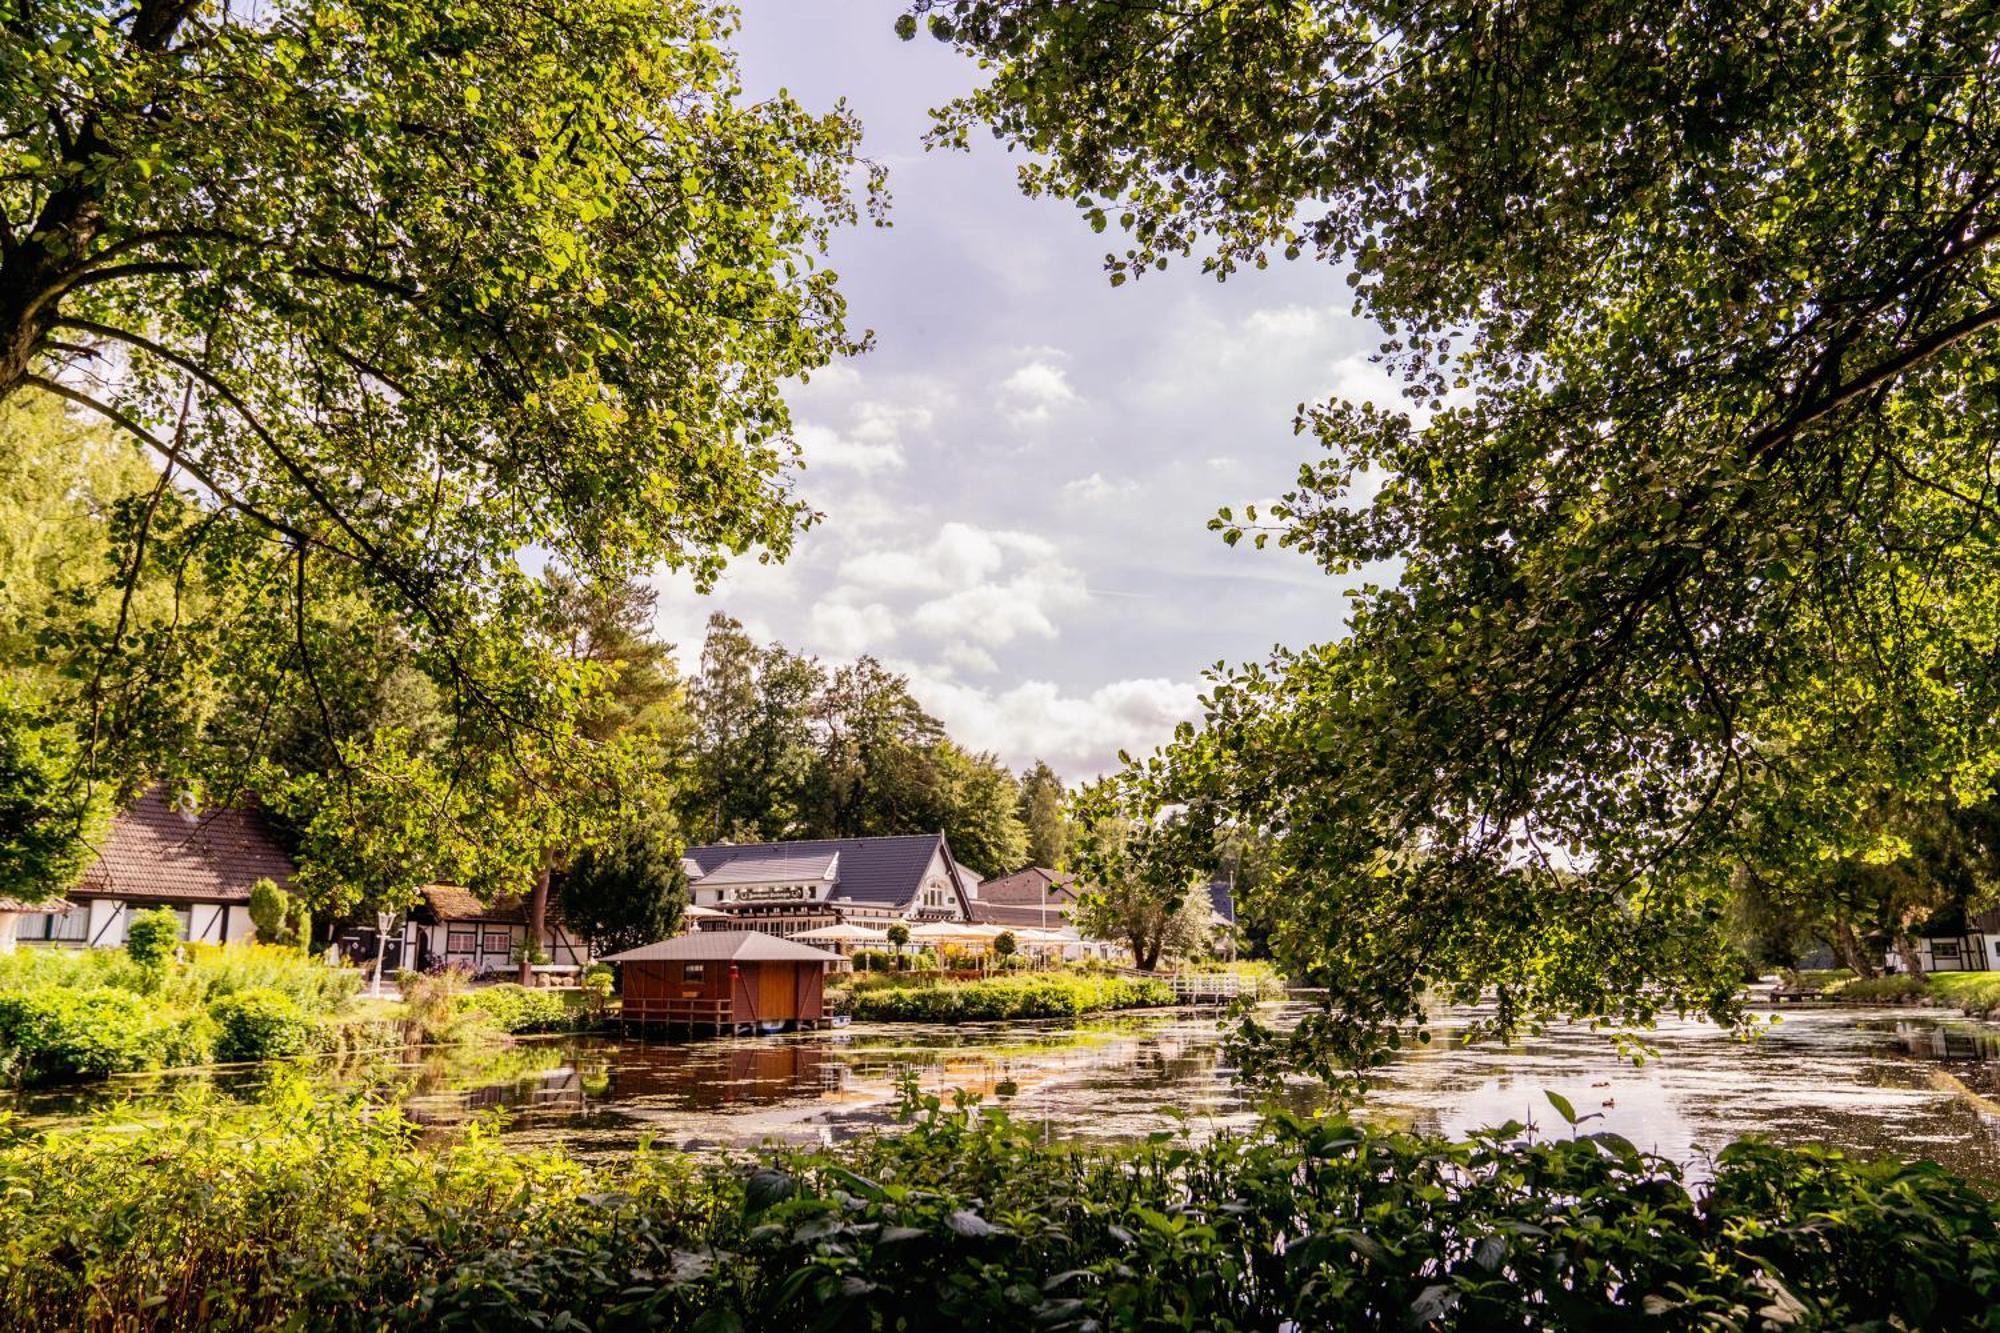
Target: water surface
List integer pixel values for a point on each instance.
(1909, 1082)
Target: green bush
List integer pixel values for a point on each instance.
(151, 935)
(1040, 995)
(61, 1033)
(340, 1217)
(259, 1025)
(518, 1009)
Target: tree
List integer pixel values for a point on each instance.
(626, 891)
(899, 935)
(1004, 945)
(1693, 491)
(978, 811)
(1139, 863)
(151, 934)
(48, 821)
(391, 294)
(279, 917)
(753, 743)
(1041, 814)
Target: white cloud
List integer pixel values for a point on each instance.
(1080, 734)
(850, 631)
(969, 657)
(1095, 489)
(999, 613)
(1040, 385)
(826, 450)
(960, 556)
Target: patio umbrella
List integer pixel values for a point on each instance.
(696, 909)
(935, 931)
(844, 933)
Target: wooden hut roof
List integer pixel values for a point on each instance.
(725, 946)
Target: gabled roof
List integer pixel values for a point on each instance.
(1035, 885)
(155, 851)
(777, 864)
(725, 946)
(878, 872)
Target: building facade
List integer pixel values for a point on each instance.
(200, 865)
(785, 888)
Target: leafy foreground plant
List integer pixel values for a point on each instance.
(337, 1217)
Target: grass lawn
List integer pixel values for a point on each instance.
(1975, 991)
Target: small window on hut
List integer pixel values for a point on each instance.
(693, 971)
(460, 941)
(499, 941)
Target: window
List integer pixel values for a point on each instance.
(57, 926)
(460, 941)
(499, 941)
(693, 971)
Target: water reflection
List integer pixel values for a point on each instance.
(1870, 1081)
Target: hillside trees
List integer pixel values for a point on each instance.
(391, 294)
(1692, 490)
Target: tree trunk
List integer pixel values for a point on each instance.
(1848, 948)
(538, 914)
(1906, 945)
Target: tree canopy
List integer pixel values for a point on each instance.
(1689, 511)
(394, 295)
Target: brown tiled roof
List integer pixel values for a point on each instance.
(1018, 914)
(56, 905)
(155, 851)
(1033, 886)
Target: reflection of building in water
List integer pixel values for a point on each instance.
(1947, 1041)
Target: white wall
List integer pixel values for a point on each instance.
(10, 925)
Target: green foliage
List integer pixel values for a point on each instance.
(151, 936)
(899, 934)
(394, 294)
(1144, 867)
(1041, 812)
(626, 891)
(1883, 990)
(1687, 513)
(1004, 944)
(49, 821)
(786, 748)
(241, 1217)
(85, 1013)
(520, 1009)
(259, 1024)
(61, 1033)
(279, 917)
(1046, 995)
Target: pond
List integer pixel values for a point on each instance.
(1910, 1082)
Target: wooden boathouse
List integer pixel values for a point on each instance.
(723, 981)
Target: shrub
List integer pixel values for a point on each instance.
(1901, 986)
(1040, 995)
(259, 1025)
(151, 936)
(518, 1009)
(279, 917)
(340, 1217)
(60, 1032)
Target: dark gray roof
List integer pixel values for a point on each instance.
(725, 946)
(1222, 901)
(882, 872)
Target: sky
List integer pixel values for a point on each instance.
(1016, 479)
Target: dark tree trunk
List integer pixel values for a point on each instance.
(538, 915)
(1848, 948)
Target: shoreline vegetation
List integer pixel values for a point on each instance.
(307, 1214)
(68, 1016)
(1976, 994)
